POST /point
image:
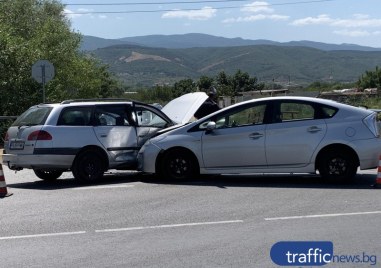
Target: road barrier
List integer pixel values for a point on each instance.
(3, 185)
(378, 179)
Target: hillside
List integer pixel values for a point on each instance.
(146, 66)
(203, 40)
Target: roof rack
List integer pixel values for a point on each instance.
(95, 99)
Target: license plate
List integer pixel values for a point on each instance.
(16, 145)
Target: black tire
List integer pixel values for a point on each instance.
(337, 165)
(88, 166)
(179, 164)
(48, 174)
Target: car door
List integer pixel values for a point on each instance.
(295, 133)
(116, 131)
(148, 121)
(238, 141)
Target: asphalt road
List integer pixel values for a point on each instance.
(129, 220)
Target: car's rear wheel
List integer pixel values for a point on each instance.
(179, 164)
(88, 166)
(338, 165)
(48, 174)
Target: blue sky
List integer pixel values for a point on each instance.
(328, 21)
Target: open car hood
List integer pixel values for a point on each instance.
(182, 109)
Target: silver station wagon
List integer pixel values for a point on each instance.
(269, 135)
(88, 137)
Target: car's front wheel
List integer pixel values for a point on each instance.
(48, 174)
(338, 165)
(88, 166)
(179, 164)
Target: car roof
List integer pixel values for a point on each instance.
(83, 103)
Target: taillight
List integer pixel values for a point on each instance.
(39, 135)
(371, 122)
(6, 137)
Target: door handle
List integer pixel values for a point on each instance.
(314, 129)
(103, 135)
(255, 135)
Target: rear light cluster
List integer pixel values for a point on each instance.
(40, 135)
(371, 122)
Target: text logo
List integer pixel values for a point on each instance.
(302, 253)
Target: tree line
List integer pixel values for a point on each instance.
(226, 85)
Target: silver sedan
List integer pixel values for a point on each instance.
(269, 135)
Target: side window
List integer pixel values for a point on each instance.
(112, 115)
(247, 116)
(292, 111)
(75, 116)
(328, 112)
(148, 118)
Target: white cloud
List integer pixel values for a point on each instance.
(262, 11)
(202, 14)
(76, 14)
(354, 23)
(71, 14)
(357, 33)
(358, 20)
(257, 7)
(256, 18)
(319, 20)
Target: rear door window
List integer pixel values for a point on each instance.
(113, 115)
(75, 116)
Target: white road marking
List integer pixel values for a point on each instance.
(104, 187)
(323, 215)
(168, 226)
(41, 235)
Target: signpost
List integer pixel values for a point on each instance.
(43, 72)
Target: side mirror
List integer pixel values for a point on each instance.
(211, 126)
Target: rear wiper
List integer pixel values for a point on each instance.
(26, 125)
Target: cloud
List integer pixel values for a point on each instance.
(358, 20)
(357, 33)
(202, 14)
(76, 14)
(319, 20)
(257, 7)
(256, 18)
(262, 11)
(71, 14)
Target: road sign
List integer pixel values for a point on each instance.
(43, 71)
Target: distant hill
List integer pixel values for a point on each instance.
(203, 40)
(146, 66)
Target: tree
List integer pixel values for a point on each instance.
(371, 79)
(240, 81)
(204, 83)
(183, 86)
(31, 30)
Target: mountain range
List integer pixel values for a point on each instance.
(158, 59)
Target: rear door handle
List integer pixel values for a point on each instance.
(255, 135)
(314, 129)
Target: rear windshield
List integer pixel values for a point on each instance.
(33, 116)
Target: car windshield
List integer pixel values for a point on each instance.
(33, 116)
